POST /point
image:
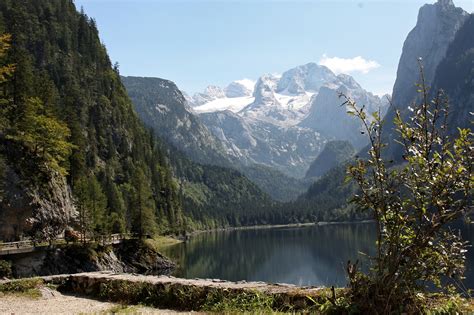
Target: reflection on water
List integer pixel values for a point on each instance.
(315, 255)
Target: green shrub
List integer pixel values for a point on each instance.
(412, 205)
(5, 269)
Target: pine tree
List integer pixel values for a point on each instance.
(91, 204)
(144, 221)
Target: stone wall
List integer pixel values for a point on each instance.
(182, 294)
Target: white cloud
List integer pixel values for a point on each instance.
(348, 65)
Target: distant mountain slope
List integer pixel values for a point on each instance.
(330, 119)
(288, 119)
(289, 150)
(163, 108)
(334, 153)
(215, 196)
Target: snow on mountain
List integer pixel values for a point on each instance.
(240, 88)
(211, 93)
(283, 121)
(306, 78)
(289, 150)
(234, 104)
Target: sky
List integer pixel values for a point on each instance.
(198, 43)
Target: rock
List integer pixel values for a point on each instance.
(130, 256)
(428, 41)
(26, 209)
(434, 31)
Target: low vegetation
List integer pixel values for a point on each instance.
(5, 269)
(22, 287)
(413, 205)
(159, 242)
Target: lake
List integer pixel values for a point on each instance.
(312, 255)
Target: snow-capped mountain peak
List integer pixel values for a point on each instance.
(240, 88)
(309, 77)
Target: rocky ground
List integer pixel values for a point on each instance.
(53, 302)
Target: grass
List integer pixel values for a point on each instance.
(133, 296)
(158, 243)
(29, 287)
(197, 298)
(123, 309)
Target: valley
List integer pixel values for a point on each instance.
(99, 163)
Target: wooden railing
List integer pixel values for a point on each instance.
(100, 239)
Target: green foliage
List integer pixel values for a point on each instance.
(65, 111)
(25, 287)
(412, 205)
(276, 184)
(6, 70)
(91, 205)
(143, 220)
(43, 135)
(244, 302)
(5, 269)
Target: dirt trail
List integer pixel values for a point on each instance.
(54, 302)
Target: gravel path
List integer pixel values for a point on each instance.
(54, 302)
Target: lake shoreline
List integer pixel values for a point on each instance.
(271, 226)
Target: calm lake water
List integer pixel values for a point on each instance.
(315, 255)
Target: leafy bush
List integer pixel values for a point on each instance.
(412, 204)
(5, 269)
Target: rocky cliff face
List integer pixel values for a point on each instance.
(26, 209)
(289, 150)
(455, 75)
(328, 117)
(435, 29)
(427, 43)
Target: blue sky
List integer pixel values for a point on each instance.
(197, 43)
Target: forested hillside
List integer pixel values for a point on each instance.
(164, 109)
(68, 132)
(74, 152)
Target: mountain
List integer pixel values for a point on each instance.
(162, 107)
(211, 93)
(455, 75)
(429, 40)
(330, 119)
(435, 29)
(334, 153)
(72, 149)
(239, 88)
(253, 141)
(215, 196)
(288, 118)
(306, 78)
(235, 89)
(443, 38)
